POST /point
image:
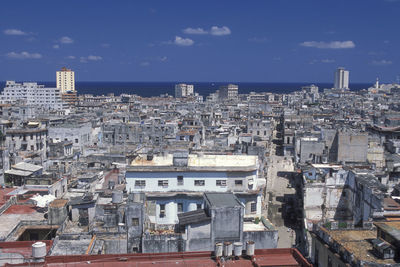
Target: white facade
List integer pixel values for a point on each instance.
(184, 90)
(341, 79)
(32, 94)
(207, 173)
(66, 80)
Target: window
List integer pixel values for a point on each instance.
(180, 207)
(198, 206)
(163, 183)
(180, 180)
(135, 221)
(221, 182)
(199, 182)
(238, 182)
(162, 210)
(140, 183)
(253, 207)
(76, 141)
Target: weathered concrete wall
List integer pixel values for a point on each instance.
(199, 237)
(262, 239)
(352, 147)
(227, 224)
(163, 243)
(57, 215)
(134, 218)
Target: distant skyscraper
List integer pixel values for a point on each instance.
(66, 80)
(184, 90)
(228, 92)
(341, 79)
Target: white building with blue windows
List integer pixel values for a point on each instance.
(176, 182)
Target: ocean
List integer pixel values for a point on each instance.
(148, 89)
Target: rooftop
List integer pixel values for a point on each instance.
(218, 200)
(263, 257)
(195, 216)
(357, 242)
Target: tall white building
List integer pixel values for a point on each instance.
(341, 79)
(228, 92)
(32, 94)
(184, 90)
(66, 80)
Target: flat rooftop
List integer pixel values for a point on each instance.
(195, 160)
(196, 163)
(13, 215)
(263, 257)
(217, 200)
(357, 243)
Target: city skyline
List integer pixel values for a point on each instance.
(178, 41)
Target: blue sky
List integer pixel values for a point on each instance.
(260, 41)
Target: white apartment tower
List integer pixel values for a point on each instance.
(341, 79)
(228, 92)
(184, 90)
(32, 94)
(66, 80)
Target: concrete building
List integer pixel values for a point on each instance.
(66, 80)
(176, 181)
(341, 79)
(32, 94)
(184, 90)
(228, 92)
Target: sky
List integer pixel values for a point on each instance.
(166, 40)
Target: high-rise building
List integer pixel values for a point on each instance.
(228, 92)
(341, 79)
(32, 94)
(184, 90)
(66, 80)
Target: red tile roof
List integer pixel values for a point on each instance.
(263, 257)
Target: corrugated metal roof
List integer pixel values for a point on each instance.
(195, 216)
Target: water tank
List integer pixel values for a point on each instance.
(218, 249)
(39, 250)
(250, 248)
(117, 197)
(227, 249)
(237, 249)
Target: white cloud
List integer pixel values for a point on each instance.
(195, 31)
(14, 32)
(66, 40)
(183, 41)
(70, 57)
(90, 58)
(94, 58)
(105, 45)
(56, 46)
(24, 55)
(382, 62)
(163, 59)
(327, 60)
(329, 45)
(219, 31)
(145, 64)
